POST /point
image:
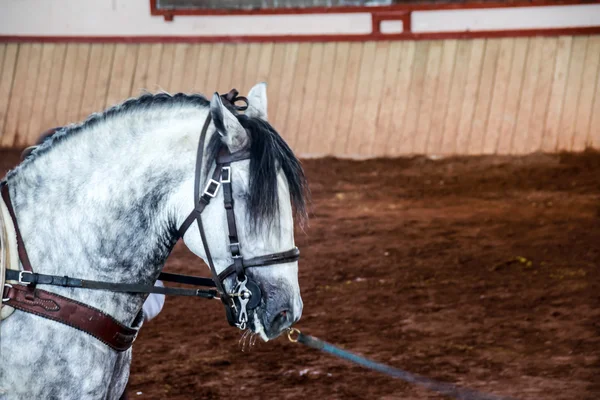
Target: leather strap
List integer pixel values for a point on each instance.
(65, 281)
(225, 157)
(264, 261)
(20, 244)
(200, 205)
(225, 298)
(186, 279)
(72, 313)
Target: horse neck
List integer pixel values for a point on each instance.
(99, 204)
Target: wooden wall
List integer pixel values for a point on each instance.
(476, 96)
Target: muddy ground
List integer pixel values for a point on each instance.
(413, 262)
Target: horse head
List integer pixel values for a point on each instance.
(266, 190)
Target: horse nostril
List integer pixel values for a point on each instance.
(282, 320)
(284, 316)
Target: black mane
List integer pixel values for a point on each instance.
(268, 153)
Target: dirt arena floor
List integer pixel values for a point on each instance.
(483, 272)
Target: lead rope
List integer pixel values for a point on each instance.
(448, 389)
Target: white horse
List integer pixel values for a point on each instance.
(102, 200)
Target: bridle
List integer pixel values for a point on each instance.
(246, 294)
(24, 295)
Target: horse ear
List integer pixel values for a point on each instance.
(257, 101)
(233, 134)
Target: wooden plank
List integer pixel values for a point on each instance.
(432, 70)
(474, 71)
(140, 74)
(212, 76)
(542, 95)
(337, 100)
(2, 52)
(35, 127)
(511, 106)
(239, 66)
(16, 96)
(9, 64)
(2, 55)
(299, 141)
(91, 82)
(574, 84)
(415, 93)
(295, 117)
(455, 100)
(386, 103)
(484, 96)
(350, 91)
(284, 97)
(30, 88)
(358, 126)
(180, 66)
(594, 132)
(98, 79)
(153, 78)
(102, 86)
(499, 95)
(79, 77)
(251, 68)
(442, 97)
(323, 97)
(163, 82)
(400, 102)
(226, 67)
(59, 58)
(264, 64)
(586, 97)
(202, 66)
(274, 80)
(122, 73)
(191, 57)
(66, 83)
(557, 93)
(530, 77)
(375, 95)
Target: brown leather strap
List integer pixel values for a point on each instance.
(72, 313)
(264, 261)
(225, 157)
(200, 206)
(20, 244)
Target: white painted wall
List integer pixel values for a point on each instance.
(506, 18)
(132, 18)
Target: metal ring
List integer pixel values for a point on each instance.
(4, 300)
(292, 331)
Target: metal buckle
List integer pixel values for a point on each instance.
(228, 179)
(21, 281)
(4, 300)
(208, 186)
